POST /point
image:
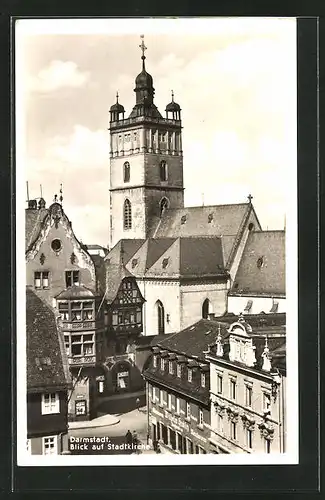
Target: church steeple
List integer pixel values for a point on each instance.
(144, 91)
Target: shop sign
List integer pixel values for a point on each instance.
(81, 407)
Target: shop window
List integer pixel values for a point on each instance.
(41, 279)
(49, 445)
(127, 214)
(72, 278)
(50, 403)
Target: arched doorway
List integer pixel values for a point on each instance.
(160, 317)
(206, 309)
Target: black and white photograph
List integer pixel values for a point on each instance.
(156, 167)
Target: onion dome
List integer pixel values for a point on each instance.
(116, 110)
(173, 108)
(117, 107)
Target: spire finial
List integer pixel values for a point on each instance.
(61, 194)
(172, 96)
(143, 48)
(117, 96)
(250, 197)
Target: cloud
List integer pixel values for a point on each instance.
(84, 148)
(58, 74)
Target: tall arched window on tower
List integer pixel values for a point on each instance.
(160, 317)
(163, 171)
(206, 309)
(127, 214)
(164, 204)
(126, 171)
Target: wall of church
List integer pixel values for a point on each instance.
(174, 169)
(168, 294)
(153, 199)
(192, 298)
(237, 304)
(137, 176)
(56, 263)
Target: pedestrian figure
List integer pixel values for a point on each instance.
(128, 438)
(138, 403)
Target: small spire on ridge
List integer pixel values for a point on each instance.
(143, 48)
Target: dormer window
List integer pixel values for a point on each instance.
(203, 379)
(183, 219)
(179, 371)
(162, 364)
(210, 218)
(134, 263)
(189, 375)
(171, 367)
(260, 262)
(155, 361)
(165, 263)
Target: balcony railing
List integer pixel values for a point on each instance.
(120, 357)
(82, 325)
(146, 119)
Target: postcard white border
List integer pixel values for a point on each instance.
(136, 26)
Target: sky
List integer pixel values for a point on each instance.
(234, 78)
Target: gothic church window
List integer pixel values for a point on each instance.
(163, 171)
(160, 317)
(127, 214)
(205, 309)
(164, 204)
(126, 171)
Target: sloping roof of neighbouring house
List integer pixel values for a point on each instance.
(46, 361)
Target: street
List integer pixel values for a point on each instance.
(112, 436)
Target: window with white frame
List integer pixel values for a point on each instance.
(249, 438)
(248, 395)
(178, 406)
(161, 397)
(50, 445)
(171, 367)
(41, 279)
(189, 374)
(201, 418)
(219, 383)
(50, 403)
(169, 401)
(266, 401)
(188, 410)
(162, 364)
(155, 361)
(179, 371)
(232, 389)
(233, 430)
(203, 379)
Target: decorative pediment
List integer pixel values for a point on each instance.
(233, 414)
(248, 422)
(267, 430)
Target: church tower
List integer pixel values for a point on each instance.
(146, 162)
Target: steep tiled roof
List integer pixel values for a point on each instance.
(195, 339)
(75, 292)
(128, 248)
(215, 220)
(115, 273)
(148, 254)
(45, 358)
(190, 257)
(262, 267)
(33, 221)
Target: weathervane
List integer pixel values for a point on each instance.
(143, 48)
